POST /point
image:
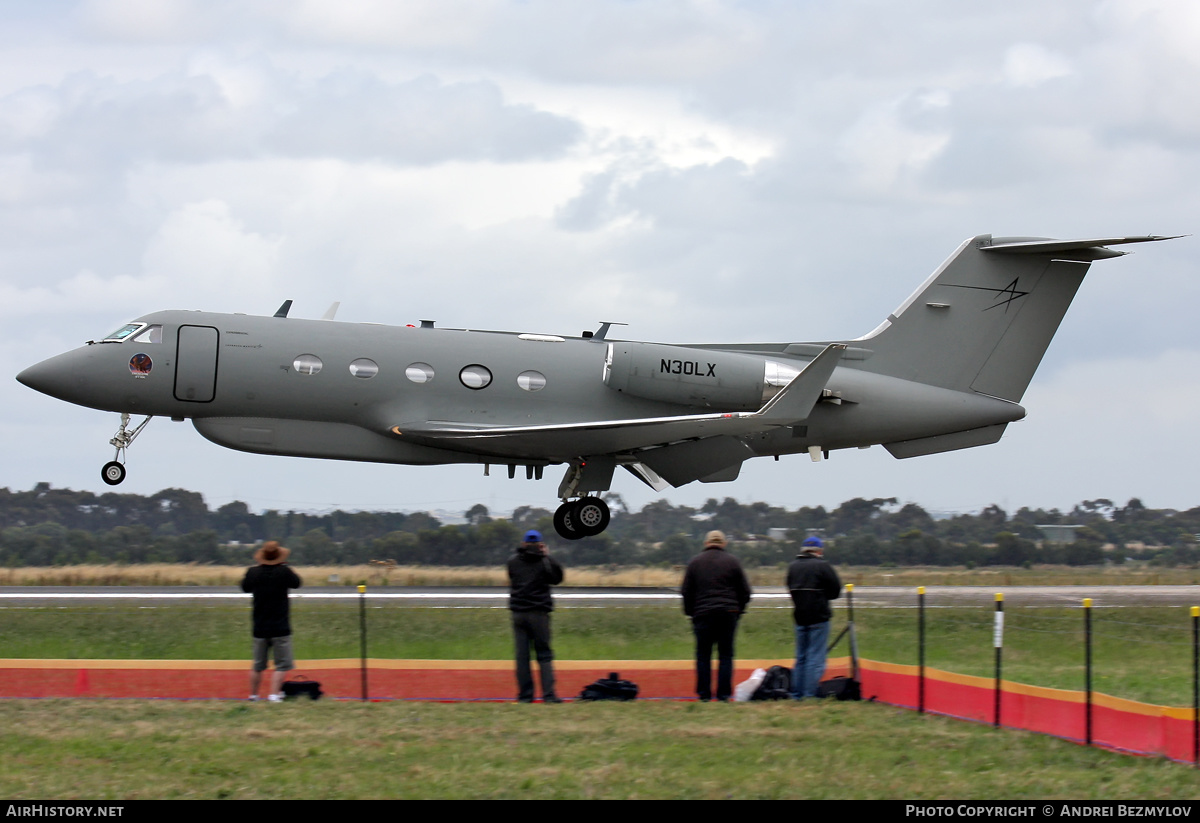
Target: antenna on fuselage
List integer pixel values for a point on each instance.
(284, 309)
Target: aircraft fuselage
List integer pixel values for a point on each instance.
(303, 387)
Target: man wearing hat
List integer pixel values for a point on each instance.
(269, 582)
(812, 583)
(531, 573)
(715, 593)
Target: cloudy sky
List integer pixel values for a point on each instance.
(703, 171)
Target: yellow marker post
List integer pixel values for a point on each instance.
(362, 637)
(850, 629)
(920, 649)
(1087, 665)
(1196, 685)
(998, 644)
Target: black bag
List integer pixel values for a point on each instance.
(299, 685)
(843, 688)
(610, 688)
(776, 685)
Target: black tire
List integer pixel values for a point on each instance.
(564, 522)
(112, 473)
(590, 516)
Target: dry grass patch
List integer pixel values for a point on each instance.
(193, 574)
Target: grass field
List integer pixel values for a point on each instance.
(327, 750)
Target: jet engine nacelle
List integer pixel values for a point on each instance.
(694, 377)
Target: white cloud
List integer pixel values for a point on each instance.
(151, 21)
(884, 150)
(1029, 64)
(205, 254)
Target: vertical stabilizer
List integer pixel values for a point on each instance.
(983, 321)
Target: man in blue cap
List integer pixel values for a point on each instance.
(531, 573)
(812, 583)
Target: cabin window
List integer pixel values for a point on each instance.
(307, 364)
(531, 380)
(364, 368)
(419, 372)
(475, 376)
(150, 334)
(120, 335)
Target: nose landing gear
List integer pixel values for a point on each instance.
(114, 470)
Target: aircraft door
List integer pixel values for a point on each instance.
(196, 364)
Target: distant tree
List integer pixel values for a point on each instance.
(478, 514)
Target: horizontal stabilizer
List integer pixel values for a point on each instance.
(985, 436)
(1069, 249)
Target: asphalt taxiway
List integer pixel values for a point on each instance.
(568, 597)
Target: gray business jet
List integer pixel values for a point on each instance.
(945, 371)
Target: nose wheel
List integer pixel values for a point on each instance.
(114, 470)
(577, 519)
(113, 473)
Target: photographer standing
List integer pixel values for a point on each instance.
(269, 582)
(531, 573)
(812, 583)
(715, 593)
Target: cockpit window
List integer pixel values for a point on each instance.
(150, 334)
(121, 334)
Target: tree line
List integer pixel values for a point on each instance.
(46, 526)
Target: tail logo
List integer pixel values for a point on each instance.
(1003, 297)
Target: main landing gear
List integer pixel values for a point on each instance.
(585, 517)
(114, 470)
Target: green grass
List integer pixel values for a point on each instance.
(141, 749)
(1139, 653)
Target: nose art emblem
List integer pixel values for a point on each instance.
(140, 365)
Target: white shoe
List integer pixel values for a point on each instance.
(275, 698)
(254, 698)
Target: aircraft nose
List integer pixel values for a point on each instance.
(52, 377)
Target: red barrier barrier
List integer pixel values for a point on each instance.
(387, 679)
(1126, 725)
(1117, 723)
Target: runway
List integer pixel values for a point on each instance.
(496, 597)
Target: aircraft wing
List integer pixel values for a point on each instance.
(791, 405)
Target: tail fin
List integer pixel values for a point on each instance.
(984, 319)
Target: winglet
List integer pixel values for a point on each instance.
(284, 309)
(796, 400)
(331, 311)
(605, 325)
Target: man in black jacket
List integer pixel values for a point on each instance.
(812, 583)
(269, 582)
(531, 573)
(715, 593)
